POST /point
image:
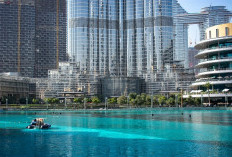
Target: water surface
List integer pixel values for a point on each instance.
(117, 133)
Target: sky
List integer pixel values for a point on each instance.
(194, 6)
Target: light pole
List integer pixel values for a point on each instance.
(84, 103)
(127, 101)
(105, 102)
(201, 100)
(226, 100)
(65, 103)
(6, 103)
(152, 100)
(27, 102)
(181, 97)
(176, 99)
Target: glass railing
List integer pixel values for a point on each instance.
(216, 47)
(214, 79)
(218, 69)
(211, 59)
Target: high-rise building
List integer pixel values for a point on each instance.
(33, 36)
(17, 36)
(215, 65)
(120, 37)
(208, 17)
(50, 37)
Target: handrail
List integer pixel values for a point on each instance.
(217, 47)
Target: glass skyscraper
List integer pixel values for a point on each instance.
(120, 37)
(17, 32)
(33, 36)
(50, 37)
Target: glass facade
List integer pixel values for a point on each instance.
(209, 16)
(215, 60)
(33, 36)
(50, 38)
(17, 32)
(120, 37)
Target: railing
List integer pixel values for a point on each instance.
(209, 70)
(210, 80)
(217, 47)
(212, 59)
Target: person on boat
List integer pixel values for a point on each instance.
(33, 122)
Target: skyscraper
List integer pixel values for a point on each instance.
(50, 37)
(120, 37)
(209, 16)
(33, 36)
(17, 32)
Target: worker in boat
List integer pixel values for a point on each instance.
(33, 122)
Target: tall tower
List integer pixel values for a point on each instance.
(209, 16)
(50, 38)
(17, 31)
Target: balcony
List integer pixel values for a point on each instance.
(213, 50)
(215, 81)
(209, 61)
(204, 72)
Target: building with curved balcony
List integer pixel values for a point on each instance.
(215, 62)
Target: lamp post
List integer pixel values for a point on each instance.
(84, 103)
(27, 102)
(65, 103)
(106, 102)
(152, 100)
(176, 99)
(6, 103)
(201, 100)
(181, 97)
(127, 101)
(226, 100)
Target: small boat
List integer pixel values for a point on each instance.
(38, 123)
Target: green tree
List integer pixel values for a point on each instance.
(155, 100)
(207, 86)
(189, 101)
(132, 96)
(139, 100)
(55, 100)
(3, 100)
(77, 100)
(49, 100)
(122, 100)
(197, 101)
(148, 100)
(35, 101)
(112, 100)
(96, 100)
(144, 97)
(161, 99)
(170, 101)
(133, 102)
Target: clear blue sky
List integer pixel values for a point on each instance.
(194, 6)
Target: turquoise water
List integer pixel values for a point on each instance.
(117, 133)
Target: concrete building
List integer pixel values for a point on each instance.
(13, 87)
(215, 65)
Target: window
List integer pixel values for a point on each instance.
(227, 31)
(209, 34)
(217, 33)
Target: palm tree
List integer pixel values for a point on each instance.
(207, 86)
